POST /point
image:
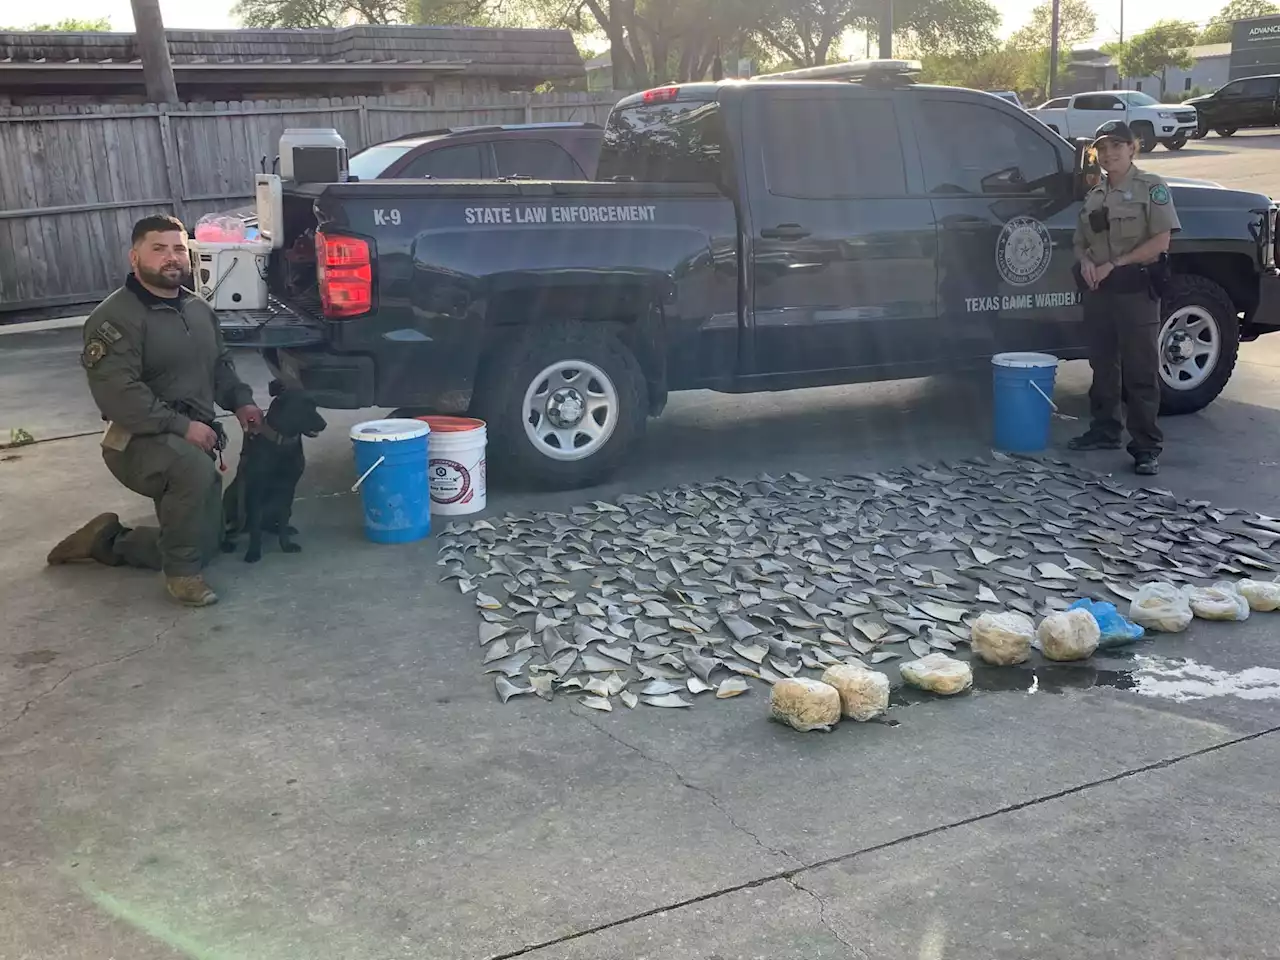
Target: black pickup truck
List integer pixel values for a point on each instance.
(743, 236)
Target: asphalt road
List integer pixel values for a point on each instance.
(317, 768)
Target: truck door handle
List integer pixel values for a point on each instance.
(785, 231)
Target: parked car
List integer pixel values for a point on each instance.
(542, 151)
(1010, 95)
(1152, 121)
(743, 237)
(1251, 102)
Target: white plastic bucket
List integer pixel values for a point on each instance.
(456, 465)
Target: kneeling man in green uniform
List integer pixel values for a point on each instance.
(156, 365)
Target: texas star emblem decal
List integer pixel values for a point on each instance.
(1023, 251)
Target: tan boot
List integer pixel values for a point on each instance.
(87, 542)
(190, 591)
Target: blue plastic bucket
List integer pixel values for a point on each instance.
(391, 462)
(1023, 388)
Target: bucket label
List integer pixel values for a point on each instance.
(450, 482)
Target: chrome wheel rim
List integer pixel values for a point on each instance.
(1190, 344)
(570, 410)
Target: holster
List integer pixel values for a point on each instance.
(1160, 277)
(1131, 278)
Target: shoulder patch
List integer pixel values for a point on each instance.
(1160, 194)
(94, 351)
(108, 332)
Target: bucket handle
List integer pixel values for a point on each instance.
(1049, 400)
(364, 476)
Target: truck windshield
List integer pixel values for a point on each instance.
(674, 141)
(373, 162)
(1136, 99)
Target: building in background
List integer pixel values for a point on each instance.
(1255, 47)
(225, 65)
(1092, 69)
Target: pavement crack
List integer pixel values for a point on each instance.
(684, 782)
(789, 875)
(822, 916)
(127, 655)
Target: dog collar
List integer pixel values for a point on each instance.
(272, 435)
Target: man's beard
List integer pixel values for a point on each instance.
(165, 278)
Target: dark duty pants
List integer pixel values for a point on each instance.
(185, 486)
(1123, 331)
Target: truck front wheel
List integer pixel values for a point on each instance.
(1146, 135)
(564, 403)
(1199, 341)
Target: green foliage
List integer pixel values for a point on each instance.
(1219, 28)
(1076, 24)
(72, 25)
(1164, 44)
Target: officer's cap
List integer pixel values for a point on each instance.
(1114, 130)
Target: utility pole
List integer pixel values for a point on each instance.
(153, 48)
(886, 30)
(1053, 52)
(1122, 21)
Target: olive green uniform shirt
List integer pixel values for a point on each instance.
(144, 354)
(1139, 207)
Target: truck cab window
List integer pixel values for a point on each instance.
(461, 162)
(820, 148)
(969, 148)
(676, 141)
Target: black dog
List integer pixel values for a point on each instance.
(271, 463)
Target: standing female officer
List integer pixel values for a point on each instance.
(1123, 231)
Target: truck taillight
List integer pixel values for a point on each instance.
(345, 272)
(661, 95)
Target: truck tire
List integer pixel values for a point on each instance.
(565, 403)
(1177, 143)
(1201, 131)
(1146, 135)
(1225, 131)
(1199, 341)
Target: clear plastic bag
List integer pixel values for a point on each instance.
(1263, 597)
(1161, 606)
(1222, 601)
(1070, 635)
(220, 228)
(1002, 639)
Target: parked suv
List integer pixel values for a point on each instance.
(543, 151)
(1251, 102)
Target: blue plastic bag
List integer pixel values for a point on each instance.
(1116, 630)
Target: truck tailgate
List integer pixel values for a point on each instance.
(277, 325)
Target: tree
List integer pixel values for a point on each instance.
(807, 32)
(1219, 28)
(73, 25)
(1161, 46)
(1076, 24)
(318, 13)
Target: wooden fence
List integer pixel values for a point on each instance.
(74, 179)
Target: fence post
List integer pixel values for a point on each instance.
(365, 138)
(173, 173)
(528, 107)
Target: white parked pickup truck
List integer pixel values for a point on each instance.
(1152, 121)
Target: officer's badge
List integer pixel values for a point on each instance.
(94, 351)
(1160, 194)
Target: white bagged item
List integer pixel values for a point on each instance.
(864, 693)
(1069, 635)
(1222, 601)
(805, 704)
(1002, 639)
(1160, 605)
(1263, 597)
(938, 673)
